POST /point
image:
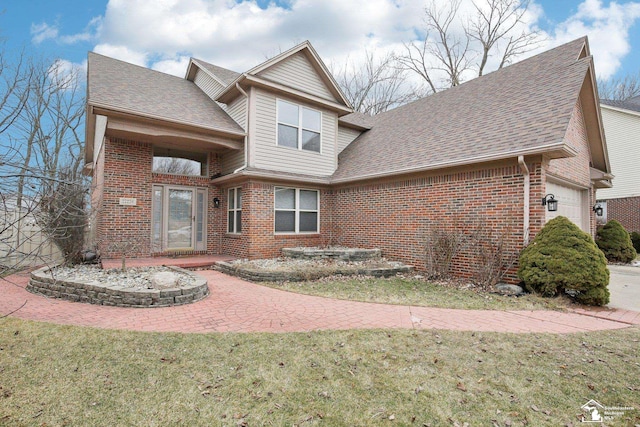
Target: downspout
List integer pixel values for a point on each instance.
(527, 187)
(246, 136)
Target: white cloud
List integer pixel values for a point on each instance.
(237, 35)
(608, 28)
(42, 32)
(67, 74)
(122, 53)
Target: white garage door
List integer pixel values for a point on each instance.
(572, 203)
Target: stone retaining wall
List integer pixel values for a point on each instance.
(344, 254)
(42, 282)
(282, 276)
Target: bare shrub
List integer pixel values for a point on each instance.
(442, 244)
(489, 249)
(494, 259)
(114, 244)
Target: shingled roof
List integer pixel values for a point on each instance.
(521, 109)
(225, 76)
(120, 86)
(632, 104)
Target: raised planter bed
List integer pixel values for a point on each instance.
(344, 254)
(298, 275)
(43, 282)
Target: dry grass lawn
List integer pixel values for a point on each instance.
(411, 291)
(54, 375)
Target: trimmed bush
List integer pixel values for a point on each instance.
(614, 241)
(635, 240)
(564, 259)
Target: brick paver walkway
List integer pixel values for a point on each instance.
(239, 306)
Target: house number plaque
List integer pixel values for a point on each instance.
(128, 201)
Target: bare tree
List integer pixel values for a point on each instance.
(40, 134)
(453, 47)
(376, 85)
(621, 88)
(176, 166)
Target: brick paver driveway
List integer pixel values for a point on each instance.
(239, 306)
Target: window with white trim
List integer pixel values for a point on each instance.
(234, 210)
(296, 210)
(298, 127)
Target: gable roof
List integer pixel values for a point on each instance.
(518, 110)
(122, 87)
(632, 104)
(254, 76)
(223, 75)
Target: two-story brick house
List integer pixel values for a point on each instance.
(248, 163)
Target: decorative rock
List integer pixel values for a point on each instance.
(164, 280)
(505, 289)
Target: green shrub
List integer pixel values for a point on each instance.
(564, 259)
(635, 240)
(614, 241)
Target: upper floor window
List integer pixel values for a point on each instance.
(177, 162)
(298, 127)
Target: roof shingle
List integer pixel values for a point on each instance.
(130, 88)
(518, 109)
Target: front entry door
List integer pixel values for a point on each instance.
(179, 218)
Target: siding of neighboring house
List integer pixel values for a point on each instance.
(625, 210)
(346, 137)
(623, 143)
(622, 130)
(208, 84)
(23, 242)
(298, 73)
(265, 154)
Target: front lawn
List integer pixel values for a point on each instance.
(62, 375)
(412, 291)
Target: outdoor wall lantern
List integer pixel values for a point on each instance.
(597, 208)
(216, 202)
(550, 202)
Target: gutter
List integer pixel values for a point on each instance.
(246, 133)
(527, 189)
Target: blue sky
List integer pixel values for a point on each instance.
(163, 34)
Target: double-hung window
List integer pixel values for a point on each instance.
(298, 127)
(296, 210)
(234, 210)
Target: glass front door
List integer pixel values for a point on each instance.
(178, 218)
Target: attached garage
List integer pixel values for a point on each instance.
(573, 203)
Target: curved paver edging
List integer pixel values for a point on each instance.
(299, 276)
(43, 282)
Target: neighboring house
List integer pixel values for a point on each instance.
(275, 157)
(22, 241)
(621, 121)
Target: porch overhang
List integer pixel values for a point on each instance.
(103, 122)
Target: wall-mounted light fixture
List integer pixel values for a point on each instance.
(598, 209)
(550, 202)
(216, 202)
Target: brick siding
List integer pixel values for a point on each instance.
(626, 210)
(395, 215)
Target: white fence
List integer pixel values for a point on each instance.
(23, 243)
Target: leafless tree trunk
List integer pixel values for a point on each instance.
(620, 89)
(454, 46)
(41, 112)
(377, 85)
